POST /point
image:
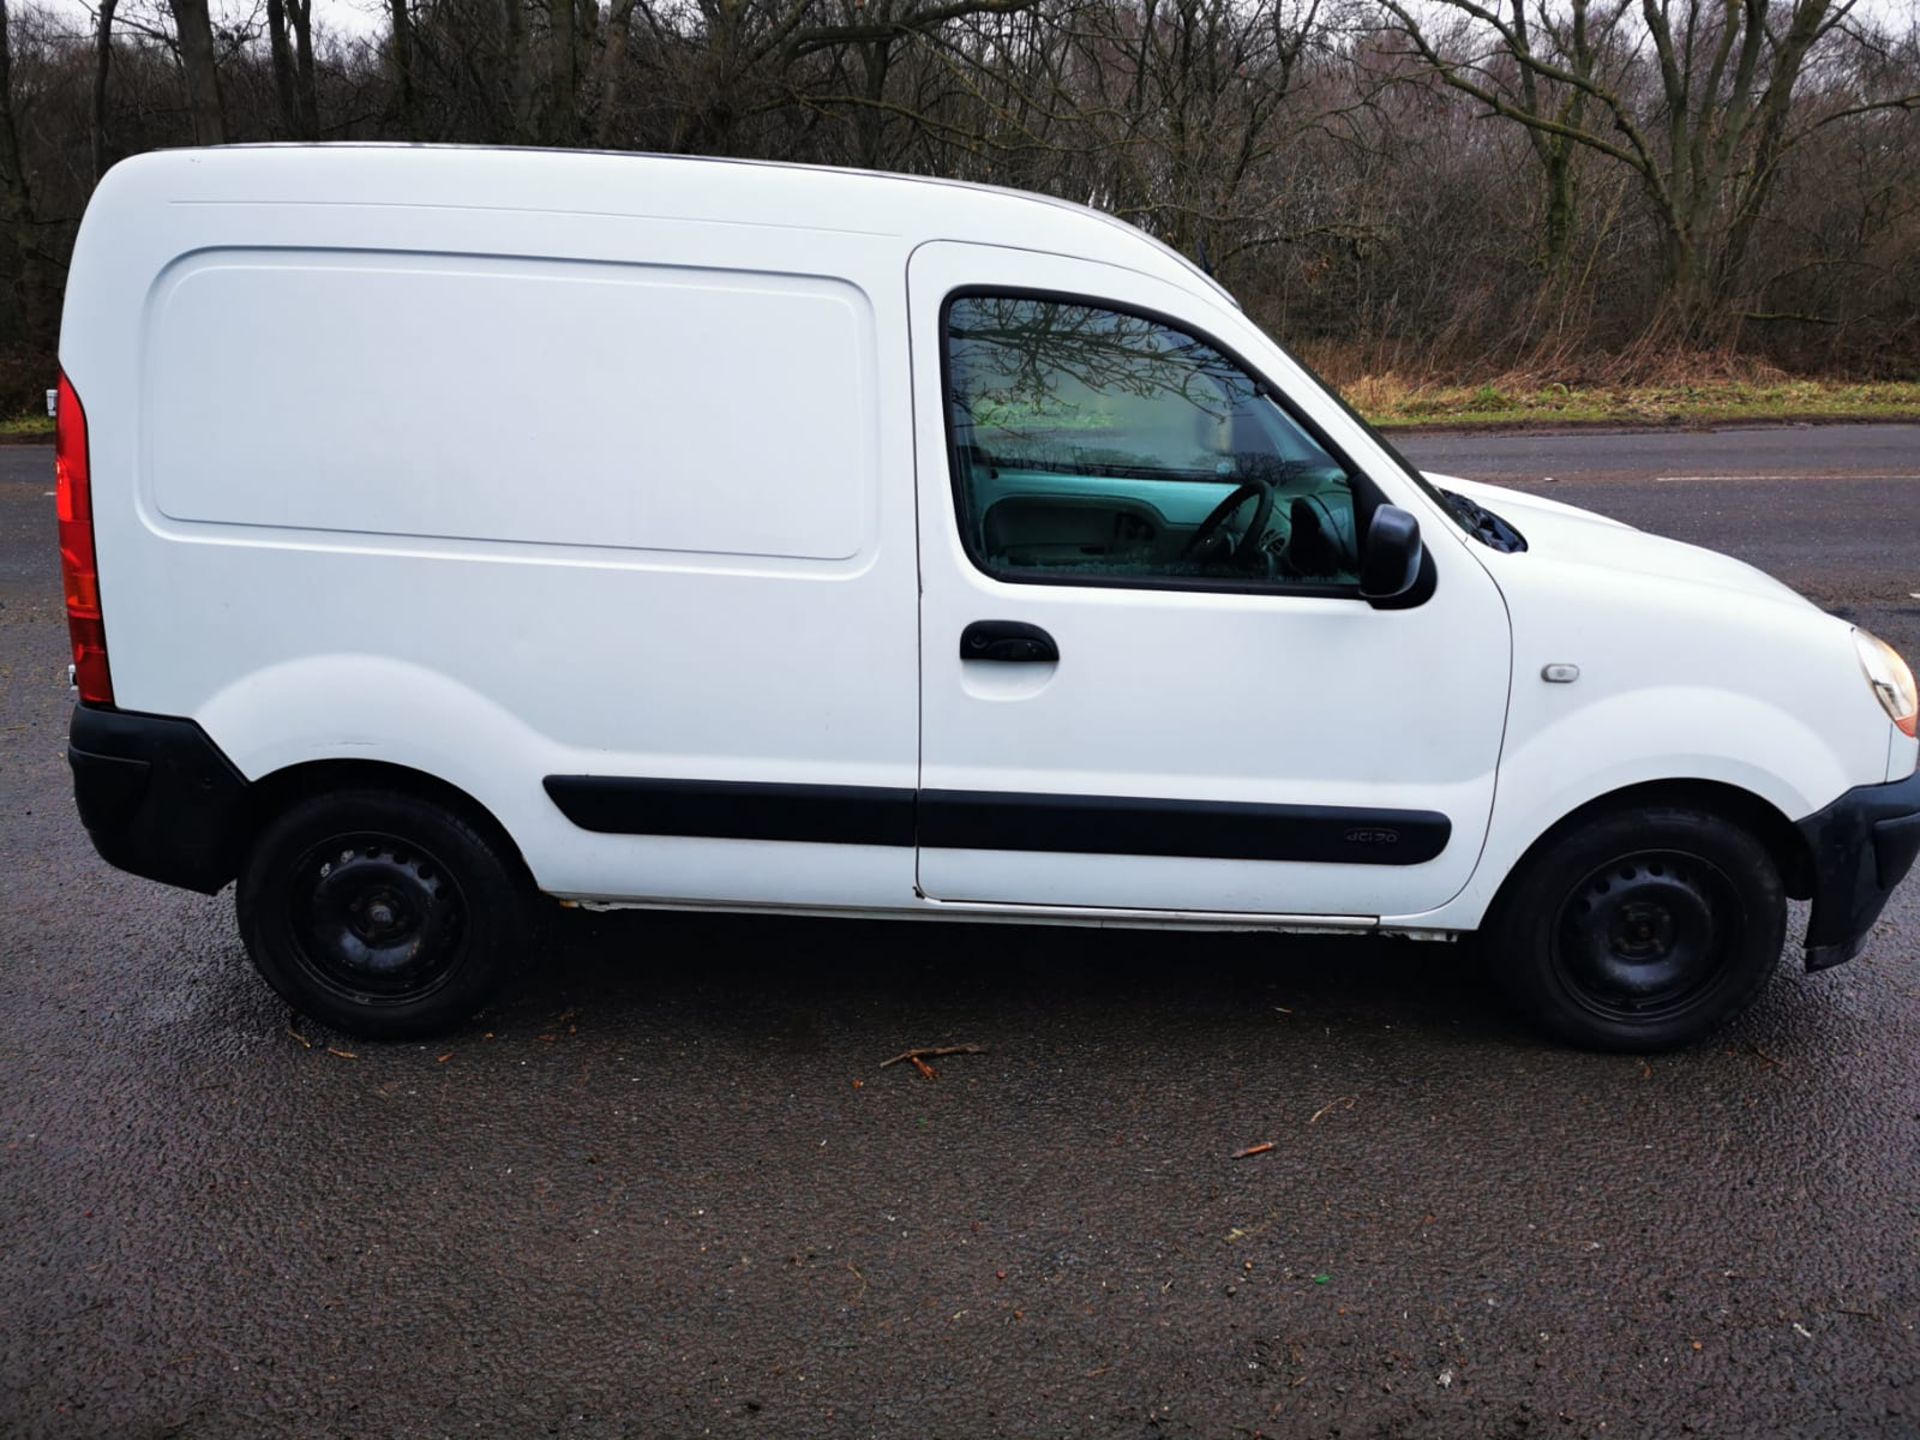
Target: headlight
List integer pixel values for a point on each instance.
(1890, 678)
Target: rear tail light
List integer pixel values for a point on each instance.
(78, 568)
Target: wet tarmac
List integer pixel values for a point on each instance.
(665, 1188)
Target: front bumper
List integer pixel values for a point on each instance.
(1861, 846)
(157, 796)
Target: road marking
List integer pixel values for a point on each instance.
(1791, 475)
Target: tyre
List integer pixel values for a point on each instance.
(1642, 929)
(380, 913)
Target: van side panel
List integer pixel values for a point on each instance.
(500, 492)
(638, 407)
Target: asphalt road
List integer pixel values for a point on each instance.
(666, 1189)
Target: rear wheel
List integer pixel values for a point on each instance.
(380, 913)
(1642, 929)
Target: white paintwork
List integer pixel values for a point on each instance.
(1692, 665)
(514, 400)
(1255, 698)
(501, 464)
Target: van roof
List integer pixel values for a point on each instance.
(620, 182)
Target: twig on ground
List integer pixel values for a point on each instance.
(1344, 1102)
(1260, 1149)
(932, 1052)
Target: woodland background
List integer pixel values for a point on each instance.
(1527, 195)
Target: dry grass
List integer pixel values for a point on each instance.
(27, 427)
(1554, 388)
(1637, 387)
(1388, 400)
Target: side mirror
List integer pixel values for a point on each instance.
(1390, 560)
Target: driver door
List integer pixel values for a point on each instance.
(1148, 680)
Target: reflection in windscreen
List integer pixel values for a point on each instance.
(1099, 441)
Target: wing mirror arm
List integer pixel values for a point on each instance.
(1390, 560)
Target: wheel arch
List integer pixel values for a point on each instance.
(1784, 843)
(272, 794)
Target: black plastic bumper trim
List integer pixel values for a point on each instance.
(157, 797)
(995, 820)
(1862, 846)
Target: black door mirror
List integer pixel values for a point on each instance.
(1390, 560)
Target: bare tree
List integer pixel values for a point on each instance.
(406, 90)
(16, 200)
(102, 61)
(194, 28)
(285, 83)
(563, 70)
(1705, 145)
(519, 47)
(613, 55)
(1659, 177)
(306, 96)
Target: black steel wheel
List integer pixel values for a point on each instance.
(375, 918)
(1640, 930)
(380, 913)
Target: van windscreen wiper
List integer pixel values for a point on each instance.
(1485, 526)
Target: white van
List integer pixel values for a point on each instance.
(446, 527)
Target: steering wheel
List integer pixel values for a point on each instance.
(1206, 540)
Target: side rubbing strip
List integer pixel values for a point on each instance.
(1209, 829)
(992, 820)
(734, 810)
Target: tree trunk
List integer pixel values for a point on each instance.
(195, 30)
(563, 70)
(1562, 216)
(870, 120)
(403, 69)
(519, 72)
(306, 94)
(612, 55)
(102, 61)
(280, 56)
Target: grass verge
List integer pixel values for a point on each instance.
(1390, 402)
(1393, 403)
(27, 427)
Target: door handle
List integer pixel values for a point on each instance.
(1013, 641)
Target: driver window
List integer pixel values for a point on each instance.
(1097, 446)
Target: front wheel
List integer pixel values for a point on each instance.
(1641, 930)
(380, 913)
